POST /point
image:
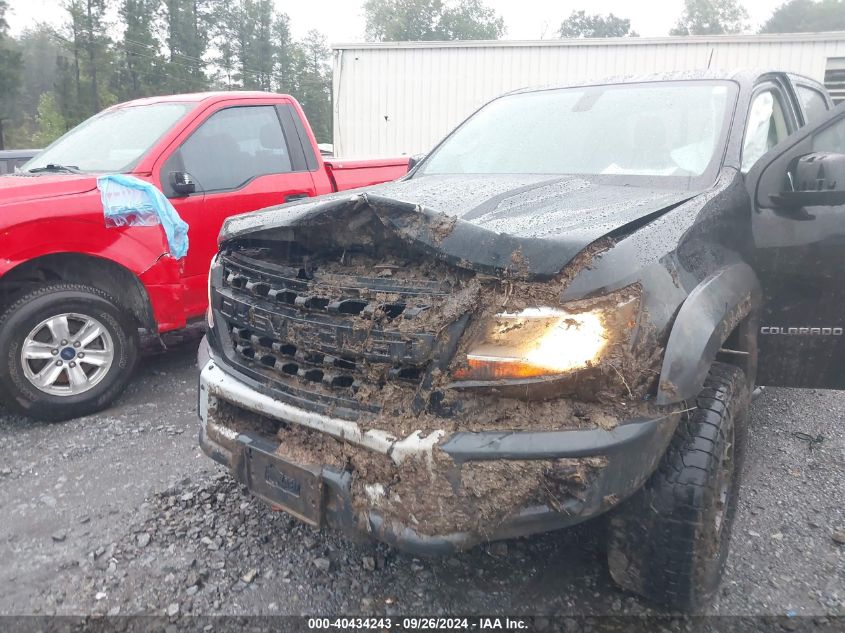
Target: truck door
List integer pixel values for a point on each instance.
(240, 159)
(798, 223)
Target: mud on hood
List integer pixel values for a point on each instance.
(517, 226)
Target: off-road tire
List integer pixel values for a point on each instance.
(669, 542)
(27, 312)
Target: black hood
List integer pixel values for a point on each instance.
(524, 226)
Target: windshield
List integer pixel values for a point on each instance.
(671, 133)
(112, 141)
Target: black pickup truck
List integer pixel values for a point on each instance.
(560, 312)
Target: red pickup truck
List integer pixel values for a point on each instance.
(74, 292)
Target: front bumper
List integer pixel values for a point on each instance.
(321, 495)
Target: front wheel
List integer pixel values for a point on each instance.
(67, 350)
(669, 542)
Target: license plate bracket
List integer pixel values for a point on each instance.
(296, 489)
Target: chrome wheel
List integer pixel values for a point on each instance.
(67, 354)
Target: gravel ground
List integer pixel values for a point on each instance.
(121, 513)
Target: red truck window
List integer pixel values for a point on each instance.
(234, 146)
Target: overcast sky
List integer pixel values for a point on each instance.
(342, 20)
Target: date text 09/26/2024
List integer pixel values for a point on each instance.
(420, 624)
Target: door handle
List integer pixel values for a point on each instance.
(296, 196)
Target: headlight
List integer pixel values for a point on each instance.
(546, 341)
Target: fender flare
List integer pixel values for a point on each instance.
(708, 315)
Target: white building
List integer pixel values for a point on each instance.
(403, 97)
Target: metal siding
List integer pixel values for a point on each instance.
(425, 90)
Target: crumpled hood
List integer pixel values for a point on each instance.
(524, 226)
(17, 189)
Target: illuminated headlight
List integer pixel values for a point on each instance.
(545, 341)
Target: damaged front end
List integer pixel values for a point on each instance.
(391, 371)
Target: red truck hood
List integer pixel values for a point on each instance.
(17, 189)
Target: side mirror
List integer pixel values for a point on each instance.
(182, 183)
(816, 179)
(414, 160)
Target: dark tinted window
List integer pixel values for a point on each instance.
(812, 102)
(234, 146)
(831, 138)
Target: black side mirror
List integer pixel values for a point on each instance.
(182, 183)
(816, 179)
(414, 160)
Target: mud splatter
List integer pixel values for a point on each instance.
(438, 496)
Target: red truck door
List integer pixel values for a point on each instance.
(241, 158)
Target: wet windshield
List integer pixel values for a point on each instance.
(663, 131)
(112, 141)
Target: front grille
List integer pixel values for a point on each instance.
(318, 337)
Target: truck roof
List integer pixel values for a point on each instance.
(197, 97)
(743, 76)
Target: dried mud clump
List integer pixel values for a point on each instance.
(434, 495)
(596, 396)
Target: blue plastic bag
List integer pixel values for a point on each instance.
(129, 201)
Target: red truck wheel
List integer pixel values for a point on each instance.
(67, 350)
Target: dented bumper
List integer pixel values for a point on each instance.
(322, 494)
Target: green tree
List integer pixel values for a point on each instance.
(470, 20)
(223, 28)
(50, 124)
(141, 67)
(314, 84)
(95, 43)
(579, 24)
(188, 24)
(39, 50)
(241, 33)
(66, 89)
(90, 48)
(254, 47)
(10, 73)
(422, 20)
(711, 17)
(252, 22)
(70, 74)
(802, 16)
(284, 55)
(262, 44)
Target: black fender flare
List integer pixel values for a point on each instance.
(709, 314)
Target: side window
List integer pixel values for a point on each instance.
(831, 138)
(234, 146)
(4, 167)
(766, 127)
(812, 102)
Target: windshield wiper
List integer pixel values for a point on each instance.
(70, 169)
